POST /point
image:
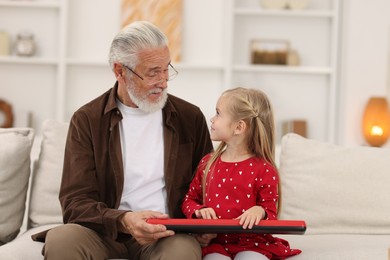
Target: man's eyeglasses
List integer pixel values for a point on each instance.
(155, 76)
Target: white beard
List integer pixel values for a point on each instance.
(143, 103)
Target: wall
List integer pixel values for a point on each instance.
(365, 69)
(364, 56)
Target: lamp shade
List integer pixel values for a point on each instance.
(376, 121)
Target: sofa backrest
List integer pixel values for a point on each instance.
(44, 207)
(335, 189)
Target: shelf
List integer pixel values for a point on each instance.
(285, 13)
(74, 72)
(283, 69)
(197, 66)
(178, 65)
(321, 21)
(28, 60)
(86, 62)
(30, 4)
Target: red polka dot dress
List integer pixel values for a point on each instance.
(232, 188)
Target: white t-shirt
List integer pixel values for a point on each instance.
(142, 143)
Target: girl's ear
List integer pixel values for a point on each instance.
(240, 127)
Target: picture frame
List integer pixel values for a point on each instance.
(268, 51)
(167, 15)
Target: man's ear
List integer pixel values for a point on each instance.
(119, 72)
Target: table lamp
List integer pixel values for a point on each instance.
(376, 121)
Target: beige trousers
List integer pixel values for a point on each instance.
(75, 242)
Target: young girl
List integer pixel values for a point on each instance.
(239, 180)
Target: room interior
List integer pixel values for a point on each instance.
(343, 49)
(333, 60)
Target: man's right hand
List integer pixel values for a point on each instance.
(134, 223)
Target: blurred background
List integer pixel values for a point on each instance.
(319, 61)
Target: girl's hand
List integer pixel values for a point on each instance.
(251, 217)
(206, 213)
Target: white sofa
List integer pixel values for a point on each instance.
(342, 193)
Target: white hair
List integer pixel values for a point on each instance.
(132, 39)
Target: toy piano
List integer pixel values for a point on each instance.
(231, 226)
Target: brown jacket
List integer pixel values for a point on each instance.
(92, 180)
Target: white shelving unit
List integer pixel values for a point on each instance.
(307, 91)
(40, 77)
(70, 67)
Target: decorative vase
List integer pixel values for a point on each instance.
(4, 43)
(273, 4)
(297, 4)
(25, 44)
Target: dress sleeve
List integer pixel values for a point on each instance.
(193, 200)
(267, 191)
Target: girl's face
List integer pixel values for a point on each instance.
(222, 126)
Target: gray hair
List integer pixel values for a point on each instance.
(132, 39)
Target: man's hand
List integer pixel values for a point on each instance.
(251, 217)
(134, 223)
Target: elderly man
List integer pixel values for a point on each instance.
(130, 155)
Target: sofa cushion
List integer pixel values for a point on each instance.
(22, 247)
(335, 189)
(44, 206)
(15, 147)
(339, 246)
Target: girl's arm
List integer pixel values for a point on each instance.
(267, 192)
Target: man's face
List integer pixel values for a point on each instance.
(149, 93)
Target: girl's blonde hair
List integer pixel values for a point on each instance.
(253, 107)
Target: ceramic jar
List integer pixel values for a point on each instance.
(25, 44)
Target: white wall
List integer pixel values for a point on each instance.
(365, 67)
(364, 56)
(202, 40)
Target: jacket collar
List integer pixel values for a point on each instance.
(111, 102)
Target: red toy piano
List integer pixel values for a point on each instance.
(231, 226)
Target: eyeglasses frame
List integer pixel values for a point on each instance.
(142, 77)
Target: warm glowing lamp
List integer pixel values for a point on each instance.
(376, 121)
